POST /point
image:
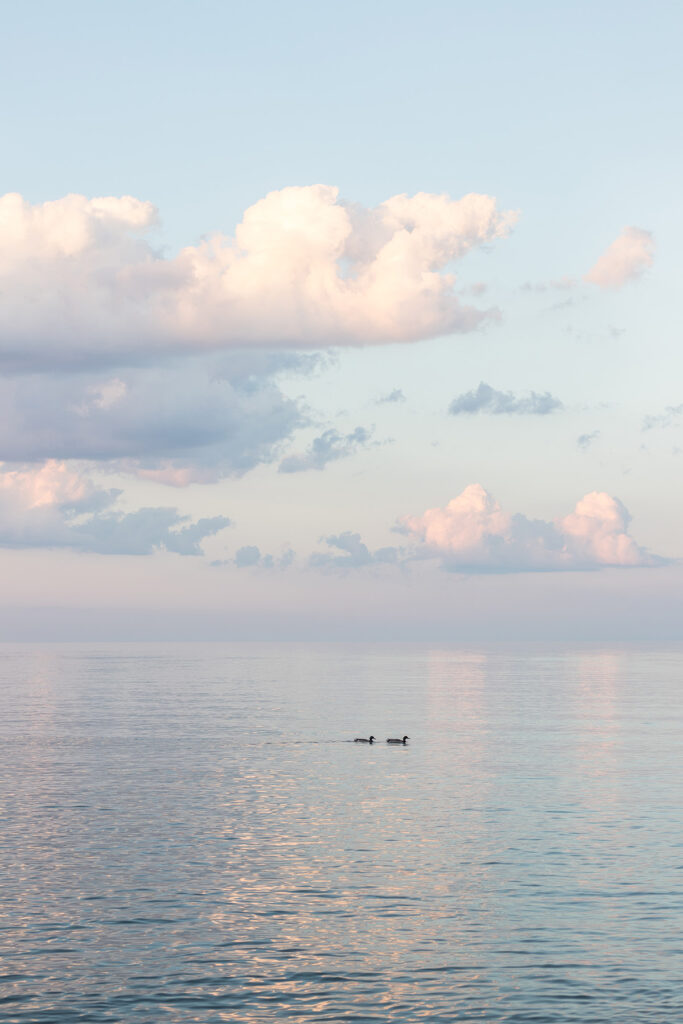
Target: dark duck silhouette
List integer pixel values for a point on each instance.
(360, 739)
(403, 741)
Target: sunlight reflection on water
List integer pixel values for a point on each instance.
(188, 835)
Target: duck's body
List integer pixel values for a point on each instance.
(402, 742)
(362, 740)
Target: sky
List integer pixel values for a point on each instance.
(324, 322)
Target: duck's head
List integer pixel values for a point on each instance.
(372, 739)
(406, 738)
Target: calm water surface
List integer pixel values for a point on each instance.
(188, 835)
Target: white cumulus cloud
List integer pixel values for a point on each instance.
(82, 283)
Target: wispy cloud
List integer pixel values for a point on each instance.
(670, 417)
(584, 441)
(562, 284)
(394, 396)
(487, 399)
(624, 260)
(328, 447)
(250, 556)
(349, 552)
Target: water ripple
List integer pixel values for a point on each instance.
(189, 836)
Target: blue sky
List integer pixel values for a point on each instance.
(193, 405)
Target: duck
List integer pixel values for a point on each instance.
(403, 741)
(362, 740)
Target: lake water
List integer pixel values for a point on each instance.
(188, 834)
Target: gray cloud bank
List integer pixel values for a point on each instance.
(193, 422)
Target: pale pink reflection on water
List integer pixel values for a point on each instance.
(189, 835)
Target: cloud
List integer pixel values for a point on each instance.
(668, 418)
(487, 399)
(175, 424)
(584, 441)
(330, 446)
(55, 506)
(624, 260)
(83, 285)
(562, 284)
(250, 556)
(394, 396)
(286, 559)
(354, 553)
(473, 534)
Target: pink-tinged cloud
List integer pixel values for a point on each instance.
(627, 258)
(597, 532)
(56, 506)
(474, 534)
(170, 475)
(81, 282)
(53, 483)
